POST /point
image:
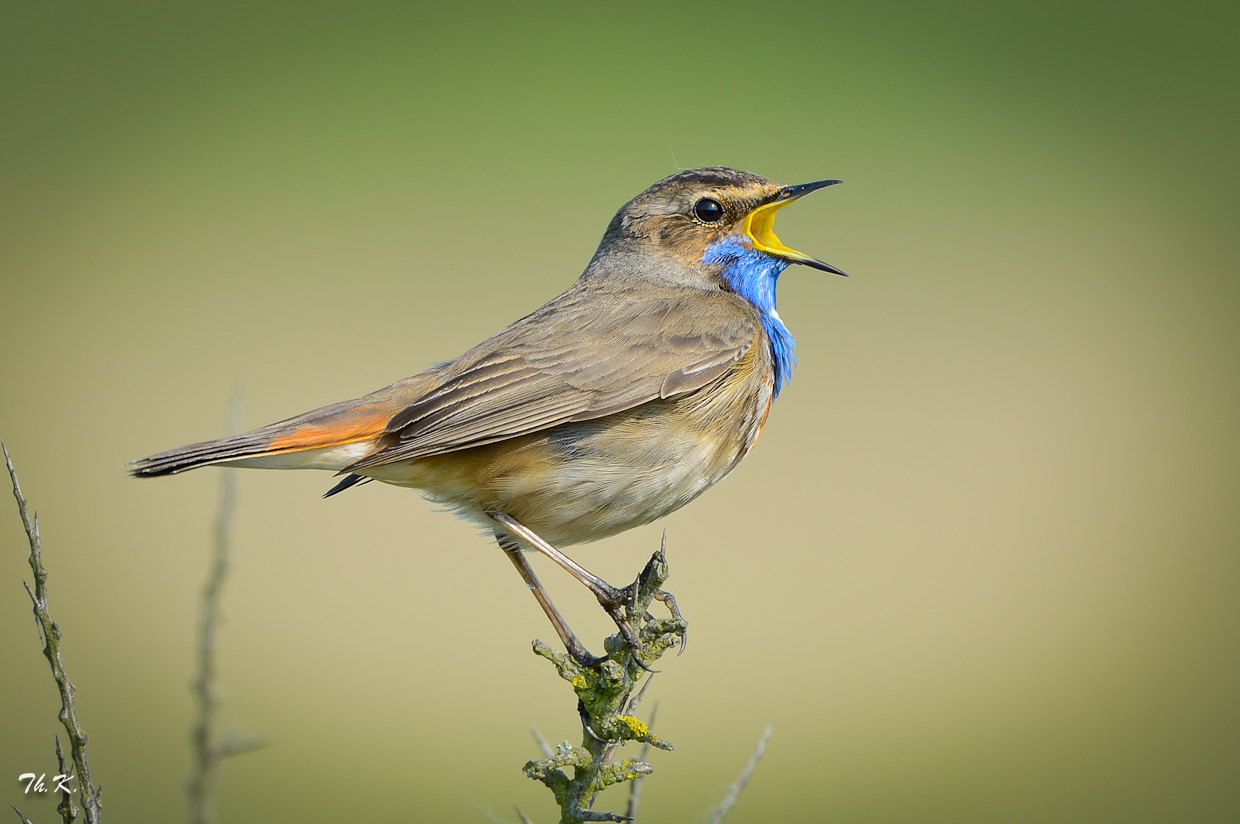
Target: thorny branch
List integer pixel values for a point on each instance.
(734, 792)
(209, 750)
(91, 802)
(603, 702)
(606, 704)
(205, 749)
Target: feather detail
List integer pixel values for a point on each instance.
(536, 374)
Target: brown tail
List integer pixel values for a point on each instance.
(340, 424)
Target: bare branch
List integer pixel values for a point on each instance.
(734, 792)
(543, 743)
(51, 649)
(209, 750)
(641, 693)
(66, 809)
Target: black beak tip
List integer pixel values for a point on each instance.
(805, 188)
(825, 267)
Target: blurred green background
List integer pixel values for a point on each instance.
(983, 566)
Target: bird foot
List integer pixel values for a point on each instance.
(617, 601)
(629, 609)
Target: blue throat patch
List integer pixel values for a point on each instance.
(753, 275)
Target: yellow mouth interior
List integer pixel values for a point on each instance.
(758, 226)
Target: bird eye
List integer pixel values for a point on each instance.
(708, 210)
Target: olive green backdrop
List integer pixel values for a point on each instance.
(983, 566)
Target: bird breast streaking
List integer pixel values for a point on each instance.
(611, 406)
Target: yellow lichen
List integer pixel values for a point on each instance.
(638, 728)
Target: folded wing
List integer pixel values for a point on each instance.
(583, 356)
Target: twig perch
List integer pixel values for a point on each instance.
(91, 802)
(603, 693)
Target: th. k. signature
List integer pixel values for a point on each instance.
(35, 784)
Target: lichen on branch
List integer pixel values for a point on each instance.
(604, 691)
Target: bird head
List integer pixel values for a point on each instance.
(694, 212)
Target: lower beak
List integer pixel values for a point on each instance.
(757, 227)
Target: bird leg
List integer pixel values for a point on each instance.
(571, 642)
(612, 599)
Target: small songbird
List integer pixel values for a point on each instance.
(613, 405)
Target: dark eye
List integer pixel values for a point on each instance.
(708, 210)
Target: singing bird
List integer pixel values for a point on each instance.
(613, 405)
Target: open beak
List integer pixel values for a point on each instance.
(757, 226)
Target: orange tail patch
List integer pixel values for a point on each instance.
(357, 424)
(337, 425)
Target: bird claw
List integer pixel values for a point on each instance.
(620, 603)
(668, 600)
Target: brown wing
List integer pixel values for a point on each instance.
(587, 354)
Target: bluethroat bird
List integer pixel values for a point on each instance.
(613, 405)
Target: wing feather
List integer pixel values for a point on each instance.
(590, 353)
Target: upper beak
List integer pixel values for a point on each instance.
(757, 226)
